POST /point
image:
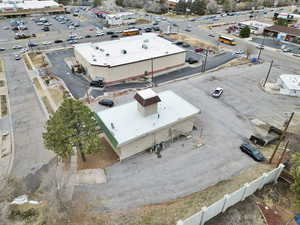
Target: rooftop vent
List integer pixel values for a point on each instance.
(124, 51)
(101, 49)
(97, 47)
(144, 46)
(107, 54)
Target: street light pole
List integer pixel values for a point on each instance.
(261, 48)
(268, 74)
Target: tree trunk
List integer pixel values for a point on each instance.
(82, 156)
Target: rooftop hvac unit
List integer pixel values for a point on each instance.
(123, 51)
(144, 46)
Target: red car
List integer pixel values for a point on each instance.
(199, 49)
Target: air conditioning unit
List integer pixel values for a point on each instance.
(124, 51)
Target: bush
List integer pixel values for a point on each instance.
(245, 32)
(281, 22)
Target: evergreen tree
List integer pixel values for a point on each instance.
(72, 125)
(281, 22)
(181, 7)
(245, 32)
(199, 7)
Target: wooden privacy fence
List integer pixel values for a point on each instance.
(228, 200)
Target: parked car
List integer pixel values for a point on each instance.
(106, 102)
(238, 52)
(217, 92)
(97, 83)
(148, 29)
(109, 32)
(155, 23)
(156, 29)
(47, 43)
(30, 44)
(88, 36)
(179, 43)
(99, 34)
(58, 41)
(72, 41)
(17, 57)
(286, 50)
(17, 47)
(188, 30)
(2, 49)
(260, 46)
(114, 36)
(253, 152)
(211, 35)
(191, 60)
(199, 49)
(186, 45)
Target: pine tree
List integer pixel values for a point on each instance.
(181, 7)
(72, 125)
(245, 32)
(199, 7)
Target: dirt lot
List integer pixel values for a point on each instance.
(38, 59)
(193, 41)
(101, 159)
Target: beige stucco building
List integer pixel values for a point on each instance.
(129, 57)
(147, 122)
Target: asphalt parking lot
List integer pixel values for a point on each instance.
(146, 179)
(76, 84)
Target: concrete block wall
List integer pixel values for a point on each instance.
(231, 199)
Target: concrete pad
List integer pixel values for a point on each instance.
(91, 176)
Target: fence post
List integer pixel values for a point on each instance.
(203, 210)
(264, 176)
(246, 185)
(180, 222)
(280, 168)
(226, 197)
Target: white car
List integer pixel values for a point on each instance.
(98, 34)
(238, 52)
(47, 43)
(217, 92)
(260, 46)
(17, 47)
(24, 50)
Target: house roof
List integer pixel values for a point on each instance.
(126, 124)
(127, 50)
(282, 29)
(291, 81)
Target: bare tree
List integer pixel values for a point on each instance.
(212, 7)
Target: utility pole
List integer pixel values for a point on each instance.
(261, 48)
(204, 67)
(283, 153)
(152, 72)
(268, 74)
(281, 136)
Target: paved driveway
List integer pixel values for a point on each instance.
(183, 169)
(28, 121)
(76, 84)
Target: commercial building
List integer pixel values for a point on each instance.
(129, 58)
(289, 84)
(147, 122)
(255, 26)
(283, 33)
(10, 8)
(120, 18)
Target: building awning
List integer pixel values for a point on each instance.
(281, 29)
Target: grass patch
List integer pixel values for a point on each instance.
(27, 63)
(2, 83)
(57, 95)
(4, 109)
(142, 21)
(47, 104)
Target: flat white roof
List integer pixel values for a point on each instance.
(291, 81)
(147, 93)
(129, 124)
(255, 23)
(120, 14)
(127, 50)
(33, 4)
